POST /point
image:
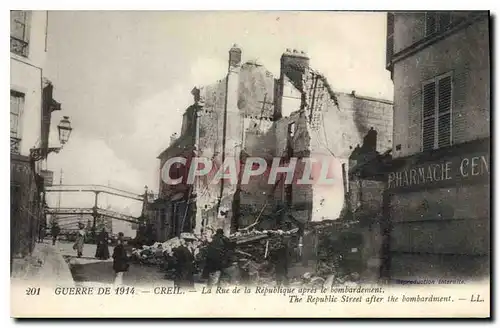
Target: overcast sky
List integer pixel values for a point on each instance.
(124, 78)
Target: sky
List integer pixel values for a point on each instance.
(124, 78)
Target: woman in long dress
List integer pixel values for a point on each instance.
(80, 240)
(102, 252)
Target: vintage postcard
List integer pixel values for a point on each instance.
(250, 164)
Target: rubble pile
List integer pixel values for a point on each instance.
(252, 249)
(252, 257)
(161, 254)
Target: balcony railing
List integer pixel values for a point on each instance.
(15, 145)
(18, 47)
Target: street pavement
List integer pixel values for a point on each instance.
(45, 265)
(88, 270)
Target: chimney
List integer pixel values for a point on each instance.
(173, 138)
(235, 56)
(293, 64)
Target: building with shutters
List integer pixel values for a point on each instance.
(438, 183)
(31, 106)
(251, 113)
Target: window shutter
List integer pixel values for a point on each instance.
(429, 99)
(444, 129)
(17, 21)
(444, 110)
(459, 112)
(16, 103)
(429, 104)
(444, 94)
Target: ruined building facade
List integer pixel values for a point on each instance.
(251, 113)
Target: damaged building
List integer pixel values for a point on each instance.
(251, 113)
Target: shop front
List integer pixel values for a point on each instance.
(438, 205)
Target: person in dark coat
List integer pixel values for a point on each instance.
(217, 257)
(55, 232)
(102, 252)
(184, 266)
(41, 232)
(280, 258)
(120, 260)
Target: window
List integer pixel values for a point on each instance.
(19, 32)
(436, 112)
(16, 108)
(437, 22)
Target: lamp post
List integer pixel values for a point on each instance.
(36, 154)
(64, 129)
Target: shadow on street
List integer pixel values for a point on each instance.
(102, 272)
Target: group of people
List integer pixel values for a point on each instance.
(120, 258)
(55, 230)
(220, 258)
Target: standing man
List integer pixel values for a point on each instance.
(41, 232)
(217, 257)
(280, 258)
(184, 266)
(120, 260)
(55, 232)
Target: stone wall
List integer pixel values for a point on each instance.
(26, 208)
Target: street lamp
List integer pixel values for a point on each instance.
(64, 129)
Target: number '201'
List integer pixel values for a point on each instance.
(32, 291)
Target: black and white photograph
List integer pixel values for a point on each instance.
(250, 163)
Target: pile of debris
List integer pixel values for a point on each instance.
(161, 254)
(251, 253)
